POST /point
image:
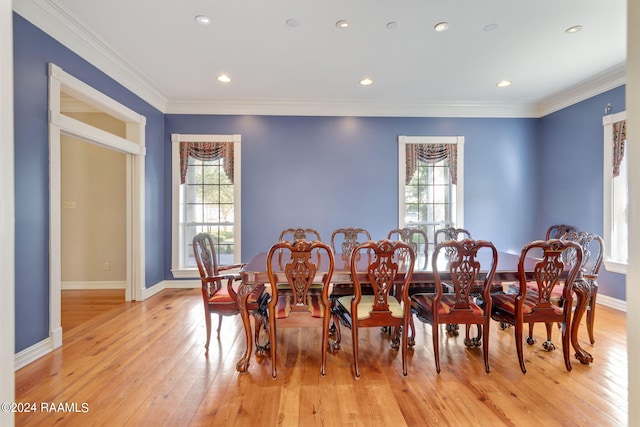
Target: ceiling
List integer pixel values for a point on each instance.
(159, 51)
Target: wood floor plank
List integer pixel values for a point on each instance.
(143, 363)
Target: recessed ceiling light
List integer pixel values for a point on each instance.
(490, 27)
(224, 78)
(573, 29)
(504, 83)
(392, 25)
(441, 26)
(292, 22)
(366, 81)
(204, 20)
(343, 23)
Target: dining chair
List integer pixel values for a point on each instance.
(450, 233)
(550, 270)
(419, 241)
(300, 305)
(459, 305)
(556, 231)
(299, 233)
(219, 290)
(416, 237)
(343, 241)
(592, 255)
(383, 265)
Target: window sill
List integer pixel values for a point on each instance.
(616, 267)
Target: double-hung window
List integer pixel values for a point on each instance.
(431, 182)
(615, 192)
(206, 198)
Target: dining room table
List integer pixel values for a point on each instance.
(254, 273)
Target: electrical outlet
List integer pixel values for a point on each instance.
(107, 266)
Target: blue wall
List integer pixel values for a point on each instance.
(571, 142)
(33, 50)
(321, 172)
(331, 172)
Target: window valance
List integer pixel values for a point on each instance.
(206, 151)
(432, 153)
(619, 140)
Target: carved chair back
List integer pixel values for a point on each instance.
(299, 233)
(348, 238)
(592, 252)
(415, 237)
(558, 230)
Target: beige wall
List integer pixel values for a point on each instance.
(93, 209)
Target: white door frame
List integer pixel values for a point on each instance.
(134, 148)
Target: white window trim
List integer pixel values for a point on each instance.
(402, 168)
(607, 123)
(176, 244)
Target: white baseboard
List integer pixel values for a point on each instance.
(618, 304)
(171, 284)
(33, 353)
(93, 285)
(182, 284)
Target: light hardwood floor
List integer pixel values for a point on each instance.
(143, 363)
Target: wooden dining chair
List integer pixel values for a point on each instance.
(556, 231)
(592, 255)
(299, 233)
(219, 290)
(343, 240)
(389, 265)
(459, 305)
(416, 237)
(549, 271)
(419, 241)
(300, 305)
(450, 233)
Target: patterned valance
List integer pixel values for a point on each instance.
(206, 151)
(432, 153)
(619, 140)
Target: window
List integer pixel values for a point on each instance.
(206, 198)
(615, 193)
(430, 182)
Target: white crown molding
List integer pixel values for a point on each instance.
(600, 83)
(63, 26)
(60, 24)
(346, 108)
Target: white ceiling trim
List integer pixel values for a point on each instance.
(60, 24)
(600, 83)
(345, 108)
(65, 28)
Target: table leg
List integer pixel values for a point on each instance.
(582, 289)
(244, 291)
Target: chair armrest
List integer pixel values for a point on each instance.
(230, 278)
(230, 266)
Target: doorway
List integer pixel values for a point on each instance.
(69, 99)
